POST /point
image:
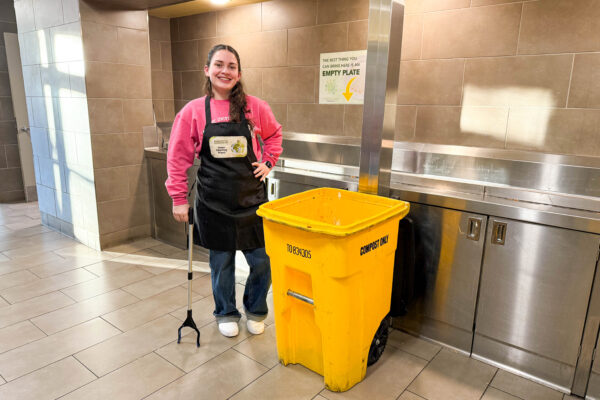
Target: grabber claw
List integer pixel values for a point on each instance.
(189, 321)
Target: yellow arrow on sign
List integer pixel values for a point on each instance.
(347, 93)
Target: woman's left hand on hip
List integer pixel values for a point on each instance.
(260, 170)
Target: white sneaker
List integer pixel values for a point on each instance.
(229, 329)
(255, 327)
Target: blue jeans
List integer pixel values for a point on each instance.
(222, 267)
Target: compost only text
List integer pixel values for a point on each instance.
(373, 245)
(298, 251)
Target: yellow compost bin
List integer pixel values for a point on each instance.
(335, 249)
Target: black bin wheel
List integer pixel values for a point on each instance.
(379, 341)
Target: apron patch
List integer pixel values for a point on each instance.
(228, 146)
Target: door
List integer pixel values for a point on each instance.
(449, 247)
(535, 287)
(17, 89)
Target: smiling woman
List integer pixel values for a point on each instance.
(222, 128)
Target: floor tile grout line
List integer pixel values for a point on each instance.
(247, 356)
(169, 361)
(423, 369)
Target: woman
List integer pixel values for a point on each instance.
(222, 128)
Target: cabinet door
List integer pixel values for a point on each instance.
(449, 252)
(535, 288)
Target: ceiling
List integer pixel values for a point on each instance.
(170, 8)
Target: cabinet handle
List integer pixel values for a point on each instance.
(474, 229)
(498, 232)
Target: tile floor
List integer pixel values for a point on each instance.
(80, 324)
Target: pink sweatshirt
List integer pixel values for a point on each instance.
(188, 128)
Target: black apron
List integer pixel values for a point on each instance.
(227, 193)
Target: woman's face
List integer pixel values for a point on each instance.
(223, 73)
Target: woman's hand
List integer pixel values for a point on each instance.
(180, 213)
(261, 170)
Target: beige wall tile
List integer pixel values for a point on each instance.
(133, 46)
(585, 83)
(406, 120)
(155, 57)
(193, 84)
(125, 235)
(241, 19)
(252, 80)
(138, 180)
(518, 81)
(185, 55)
(122, 214)
(430, 82)
(288, 85)
(6, 109)
(280, 112)
(124, 18)
(162, 85)
(198, 26)
(305, 44)
(439, 5)
(13, 160)
(174, 29)
(262, 49)
(5, 84)
(315, 118)
(24, 14)
(555, 130)
(358, 32)
(8, 132)
(412, 37)
(47, 13)
(106, 115)
(477, 3)
(136, 82)
(2, 158)
(353, 119)
(103, 79)
(165, 54)
(70, 10)
(169, 110)
(100, 42)
(205, 45)
(159, 29)
(137, 114)
(560, 26)
(466, 126)
(342, 10)
(444, 33)
(66, 43)
(281, 14)
(113, 150)
(177, 87)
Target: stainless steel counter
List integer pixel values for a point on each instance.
(509, 243)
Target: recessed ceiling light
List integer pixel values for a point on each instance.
(219, 2)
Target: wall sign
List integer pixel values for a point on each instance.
(342, 77)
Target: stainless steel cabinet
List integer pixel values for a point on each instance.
(535, 287)
(450, 247)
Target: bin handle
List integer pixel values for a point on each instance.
(300, 297)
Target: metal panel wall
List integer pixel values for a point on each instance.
(449, 252)
(535, 288)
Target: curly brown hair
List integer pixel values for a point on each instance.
(237, 96)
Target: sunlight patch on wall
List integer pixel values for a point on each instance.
(475, 120)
